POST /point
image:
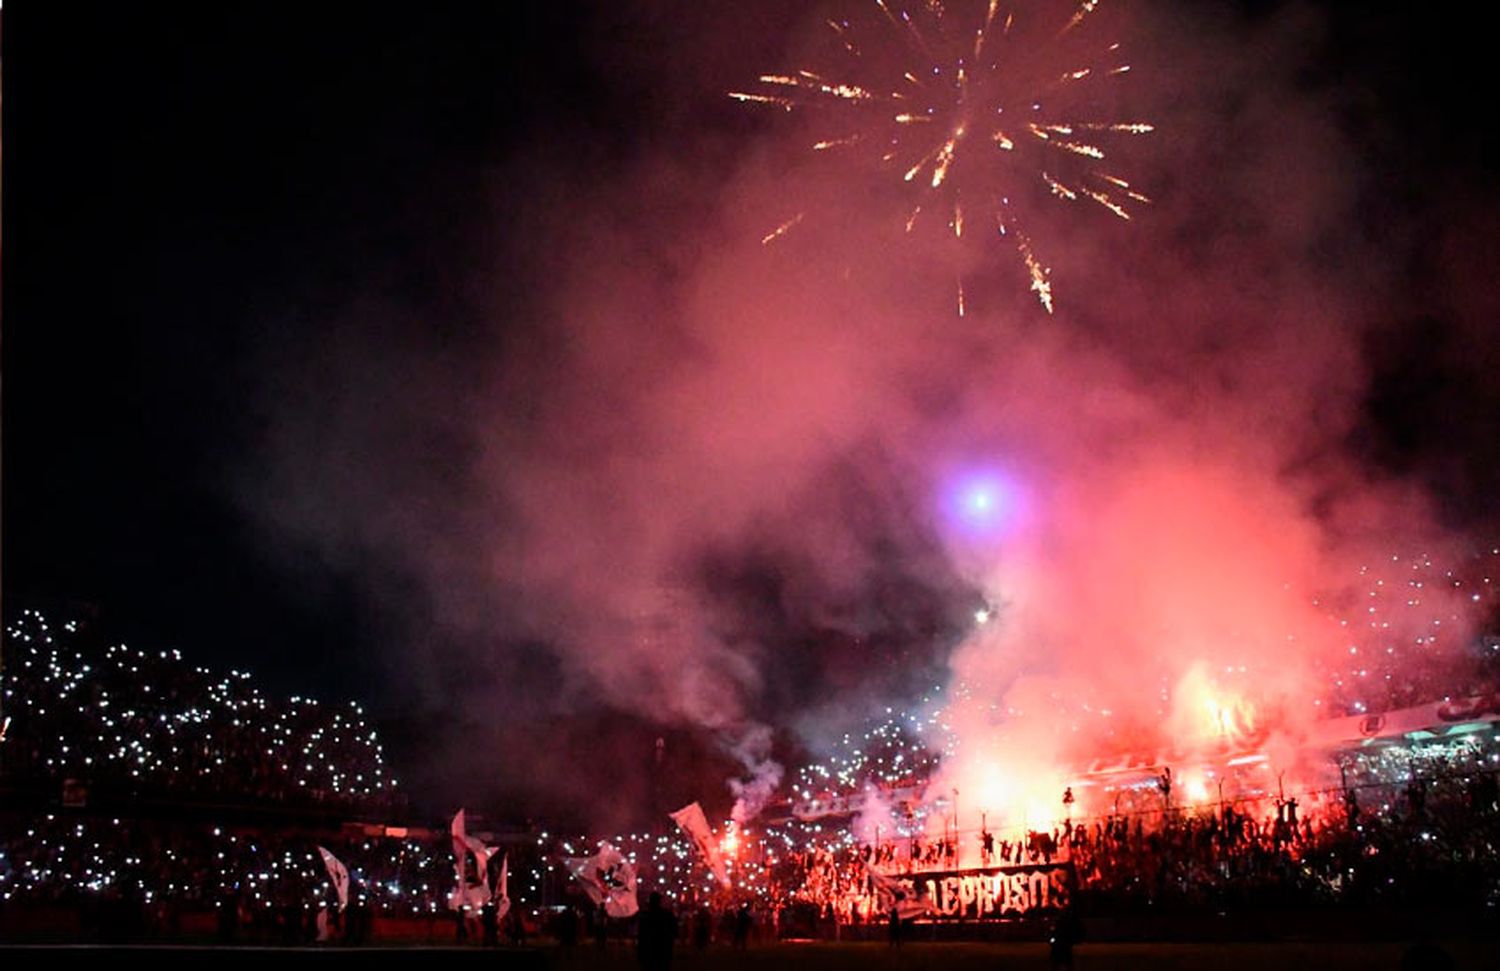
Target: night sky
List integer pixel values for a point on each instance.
(193, 194)
(205, 206)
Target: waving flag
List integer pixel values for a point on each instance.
(608, 879)
(471, 860)
(691, 820)
(501, 894)
(338, 874)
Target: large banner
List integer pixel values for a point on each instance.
(988, 894)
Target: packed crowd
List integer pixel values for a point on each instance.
(115, 721)
(1418, 821)
(1409, 825)
(1406, 624)
(895, 753)
(248, 875)
(1439, 845)
(1433, 840)
(149, 879)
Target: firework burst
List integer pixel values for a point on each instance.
(975, 111)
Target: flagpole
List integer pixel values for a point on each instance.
(957, 848)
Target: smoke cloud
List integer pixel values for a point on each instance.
(670, 476)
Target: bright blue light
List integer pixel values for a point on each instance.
(981, 504)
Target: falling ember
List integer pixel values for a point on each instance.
(911, 173)
(842, 34)
(806, 79)
(906, 84)
(1039, 283)
(781, 230)
(1088, 151)
(983, 32)
(765, 99)
(1084, 9)
(1128, 128)
(1121, 184)
(1106, 202)
(1058, 189)
(945, 159)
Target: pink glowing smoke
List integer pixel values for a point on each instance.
(663, 384)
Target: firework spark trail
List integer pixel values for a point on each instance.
(1059, 189)
(1040, 285)
(1039, 282)
(767, 99)
(843, 34)
(1084, 9)
(806, 79)
(917, 82)
(984, 31)
(1105, 201)
(1121, 183)
(781, 230)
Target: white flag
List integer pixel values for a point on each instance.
(608, 879)
(325, 932)
(691, 820)
(338, 874)
(471, 865)
(501, 894)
